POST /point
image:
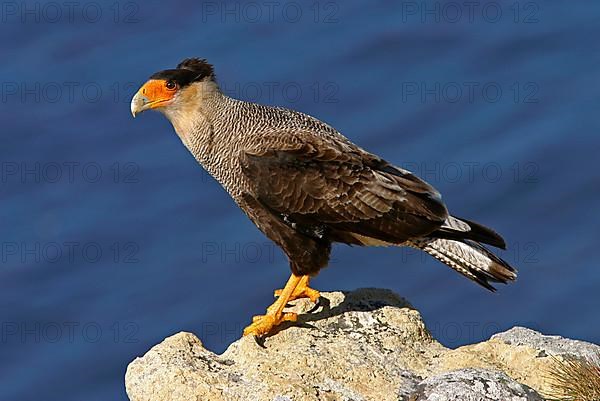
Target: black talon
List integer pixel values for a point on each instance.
(260, 341)
(316, 306)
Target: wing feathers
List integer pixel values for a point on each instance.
(314, 180)
(459, 229)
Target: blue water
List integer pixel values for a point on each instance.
(113, 238)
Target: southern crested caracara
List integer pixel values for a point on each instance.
(306, 186)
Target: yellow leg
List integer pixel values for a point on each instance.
(264, 324)
(302, 290)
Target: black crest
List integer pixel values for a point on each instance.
(200, 66)
(188, 71)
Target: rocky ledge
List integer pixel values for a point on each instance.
(367, 344)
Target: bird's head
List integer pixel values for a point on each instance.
(174, 89)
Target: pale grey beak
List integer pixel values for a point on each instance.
(139, 103)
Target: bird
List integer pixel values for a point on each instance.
(306, 186)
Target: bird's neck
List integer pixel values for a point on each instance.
(203, 128)
(191, 113)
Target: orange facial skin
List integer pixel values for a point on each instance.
(158, 92)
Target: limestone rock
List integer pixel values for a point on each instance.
(363, 345)
(548, 345)
(367, 344)
(473, 385)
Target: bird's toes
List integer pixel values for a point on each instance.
(265, 324)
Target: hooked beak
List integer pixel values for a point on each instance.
(139, 104)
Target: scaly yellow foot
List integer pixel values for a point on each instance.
(264, 324)
(302, 290)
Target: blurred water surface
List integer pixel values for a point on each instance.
(113, 238)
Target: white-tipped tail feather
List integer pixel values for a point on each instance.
(469, 259)
(458, 244)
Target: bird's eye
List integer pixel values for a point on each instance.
(171, 85)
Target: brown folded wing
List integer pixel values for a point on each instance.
(312, 181)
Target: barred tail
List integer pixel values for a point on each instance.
(469, 258)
